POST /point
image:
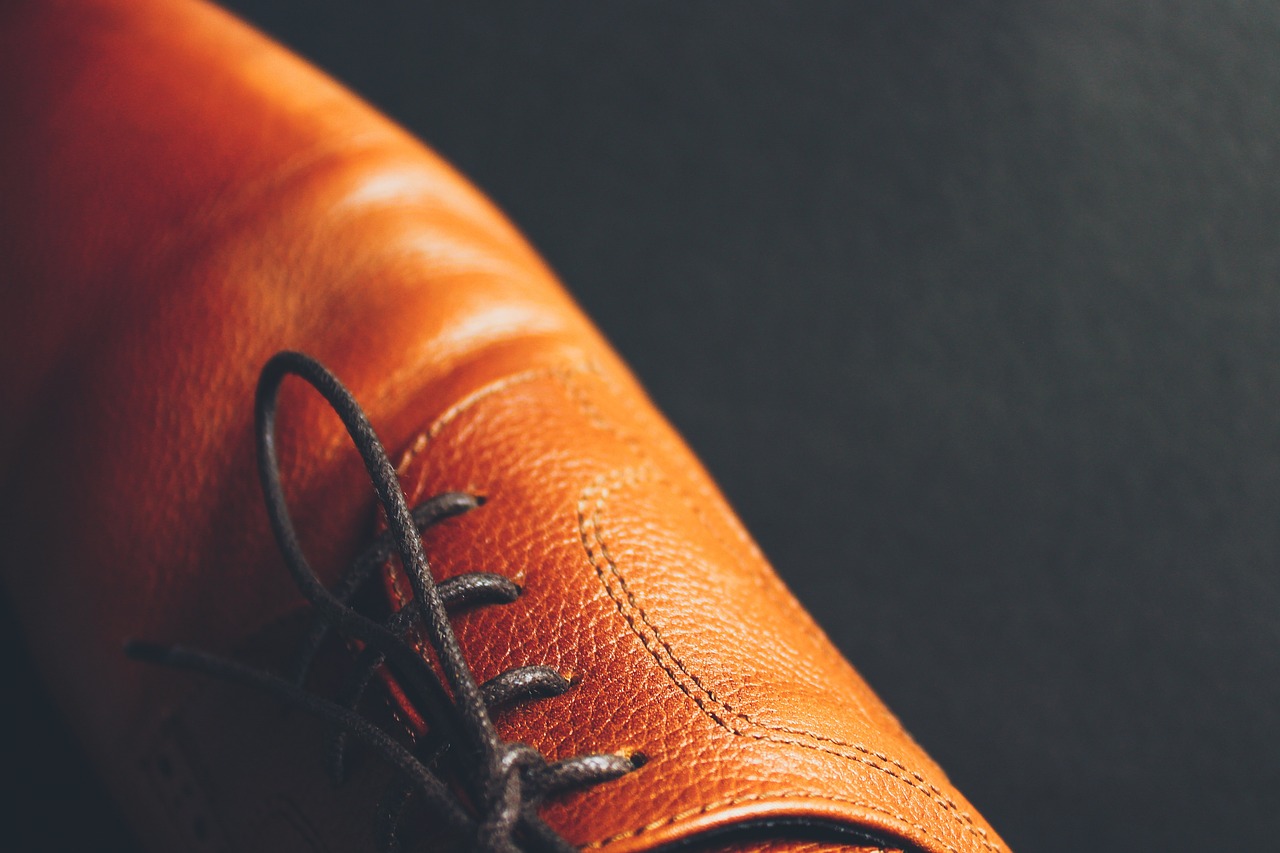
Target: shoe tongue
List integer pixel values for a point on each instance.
(681, 643)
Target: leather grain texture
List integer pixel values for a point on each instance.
(185, 198)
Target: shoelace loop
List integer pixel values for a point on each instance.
(481, 787)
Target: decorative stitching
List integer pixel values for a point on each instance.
(596, 418)
(748, 798)
(702, 484)
(451, 414)
(863, 755)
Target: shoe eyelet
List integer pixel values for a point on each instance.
(637, 758)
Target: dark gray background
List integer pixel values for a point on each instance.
(973, 310)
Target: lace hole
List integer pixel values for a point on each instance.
(637, 758)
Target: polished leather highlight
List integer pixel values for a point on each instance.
(184, 199)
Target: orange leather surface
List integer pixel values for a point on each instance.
(796, 847)
(183, 199)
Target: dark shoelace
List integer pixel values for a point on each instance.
(485, 790)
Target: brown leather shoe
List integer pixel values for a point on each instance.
(597, 654)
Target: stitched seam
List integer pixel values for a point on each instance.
(595, 416)
(861, 755)
(563, 374)
(597, 419)
(629, 617)
(598, 535)
(680, 817)
(701, 485)
(422, 439)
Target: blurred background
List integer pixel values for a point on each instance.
(973, 309)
